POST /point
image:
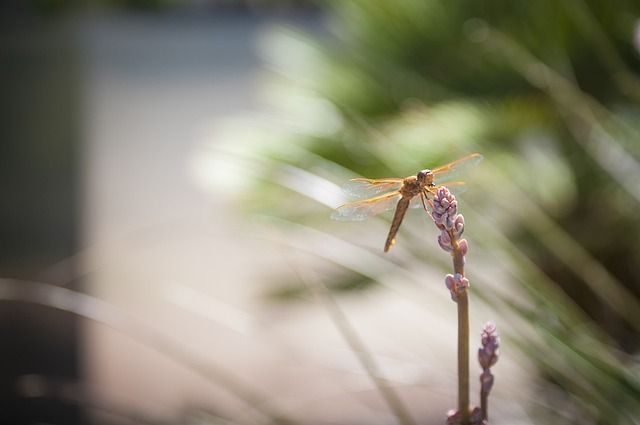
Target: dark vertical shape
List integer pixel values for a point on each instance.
(38, 212)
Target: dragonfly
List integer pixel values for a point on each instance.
(411, 192)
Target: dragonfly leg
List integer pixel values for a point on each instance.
(425, 201)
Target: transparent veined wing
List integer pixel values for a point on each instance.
(416, 202)
(456, 188)
(361, 210)
(447, 172)
(367, 188)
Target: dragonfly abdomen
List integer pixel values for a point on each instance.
(401, 210)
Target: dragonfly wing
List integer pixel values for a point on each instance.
(456, 188)
(367, 188)
(449, 171)
(416, 202)
(361, 210)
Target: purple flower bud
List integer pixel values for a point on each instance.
(455, 284)
(486, 381)
(488, 356)
(440, 206)
(452, 209)
(463, 282)
(445, 216)
(448, 222)
(444, 240)
(445, 209)
(463, 246)
(490, 351)
(439, 220)
(442, 193)
(458, 226)
(490, 333)
(475, 417)
(449, 282)
(453, 417)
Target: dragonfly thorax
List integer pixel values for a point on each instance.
(413, 185)
(425, 178)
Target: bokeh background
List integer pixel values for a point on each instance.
(167, 171)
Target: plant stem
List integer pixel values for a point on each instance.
(463, 356)
(463, 336)
(484, 404)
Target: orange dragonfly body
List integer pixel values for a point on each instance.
(401, 194)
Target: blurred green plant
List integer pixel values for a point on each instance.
(549, 92)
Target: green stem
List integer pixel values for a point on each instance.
(463, 337)
(463, 356)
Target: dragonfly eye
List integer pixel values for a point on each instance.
(422, 175)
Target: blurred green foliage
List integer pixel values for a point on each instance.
(549, 91)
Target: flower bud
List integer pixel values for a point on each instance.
(490, 351)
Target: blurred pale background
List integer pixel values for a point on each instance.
(167, 252)
(178, 162)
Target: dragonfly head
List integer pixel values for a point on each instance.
(425, 177)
